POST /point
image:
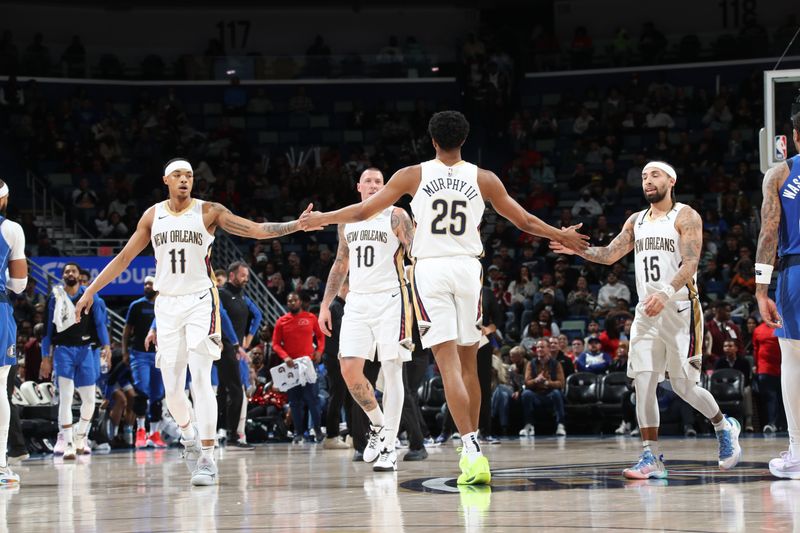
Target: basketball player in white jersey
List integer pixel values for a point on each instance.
(667, 331)
(181, 230)
(377, 315)
(448, 205)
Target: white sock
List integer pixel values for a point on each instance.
(207, 452)
(139, 422)
(67, 432)
(393, 395)
(471, 445)
(5, 415)
(376, 417)
(188, 432)
(650, 446)
(722, 425)
(155, 427)
(83, 428)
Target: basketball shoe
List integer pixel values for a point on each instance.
(205, 473)
(155, 440)
(649, 466)
(69, 451)
(7, 477)
(386, 462)
(191, 448)
(474, 469)
(730, 453)
(82, 446)
(376, 442)
(785, 466)
(61, 444)
(141, 438)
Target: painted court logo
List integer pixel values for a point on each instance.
(599, 476)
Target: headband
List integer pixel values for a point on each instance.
(662, 166)
(4, 190)
(180, 164)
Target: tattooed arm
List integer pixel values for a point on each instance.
(606, 255)
(403, 228)
(690, 227)
(768, 238)
(336, 277)
(215, 214)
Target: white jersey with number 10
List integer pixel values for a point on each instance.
(182, 248)
(448, 210)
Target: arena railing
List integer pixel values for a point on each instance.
(43, 204)
(45, 283)
(226, 252)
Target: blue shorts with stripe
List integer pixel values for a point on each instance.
(8, 335)
(788, 303)
(77, 363)
(146, 377)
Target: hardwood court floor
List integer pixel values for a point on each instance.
(571, 484)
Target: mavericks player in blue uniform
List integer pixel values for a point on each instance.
(146, 377)
(14, 277)
(780, 232)
(67, 350)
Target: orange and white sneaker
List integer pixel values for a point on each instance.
(155, 440)
(141, 438)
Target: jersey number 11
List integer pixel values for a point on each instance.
(174, 260)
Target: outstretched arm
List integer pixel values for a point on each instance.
(336, 277)
(403, 227)
(768, 242)
(223, 217)
(690, 227)
(134, 246)
(605, 255)
(493, 190)
(404, 181)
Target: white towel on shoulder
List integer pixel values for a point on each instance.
(64, 312)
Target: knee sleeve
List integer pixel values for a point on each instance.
(647, 412)
(87, 401)
(393, 395)
(66, 390)
(174, 386)
(696, 396)
(205, 401)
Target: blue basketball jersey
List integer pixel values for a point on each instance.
(789, 241)
(5, 254)
(8, 326)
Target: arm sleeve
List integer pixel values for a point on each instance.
(153, 325)
(227, 326)
(320, 337)
(100, 314)
(48, 336)
(277, 341)
(257, 317)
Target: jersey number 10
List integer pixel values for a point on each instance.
(174, 260)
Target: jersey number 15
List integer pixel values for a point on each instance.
(652, 272)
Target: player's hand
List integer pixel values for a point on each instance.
(46, 368)
(242, 355)
(152, 338)
(84, 305)
(769, 312)
(559, 248)
(325, 323)
(317, 356)
(289, 362)
(654, 303)
(310, 220)
(248, 341)
(105, 354)
(573, 240)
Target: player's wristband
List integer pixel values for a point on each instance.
(763, 273)
(669, 290)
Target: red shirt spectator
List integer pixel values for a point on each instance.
(766, 351)
(295, 334)
(721, 328)
(33, 355)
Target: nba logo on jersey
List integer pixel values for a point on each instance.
(780, 147)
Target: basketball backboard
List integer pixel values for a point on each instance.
(781, 93)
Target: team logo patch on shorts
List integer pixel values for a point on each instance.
(12, 351)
